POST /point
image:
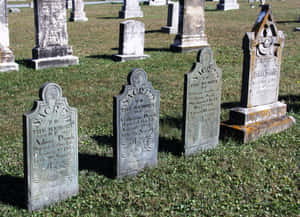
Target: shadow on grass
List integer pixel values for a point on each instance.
(167, 145)
(158, 49)
(104, 140)
(292, 101)
(26, 62)
(288, 21)
(12, 191)
(152, 31)
(229, 105)
(172, 122)
(211, 10)
(108, 18)
(104, 56)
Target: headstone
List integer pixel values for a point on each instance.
(260, 112)
(131, 41)
(202, 104)
(226, 5)
(7, 58)
(131, 9)
(191, 34)
(262, 2)
(297, 29)
(173, 15)
(156, 2)
(52, 49)
(69, 4)
(136, 125)
(51, 149)
(14, 10)
(78, 13)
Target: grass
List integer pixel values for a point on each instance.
(260, 178)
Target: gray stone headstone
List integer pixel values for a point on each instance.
(51, 149)
(173, 15)
(202, 104)
(52, 49)
(131, 41)
(78, 13)
(7, 59)
(131, 9)
(136, 125)
(191, 35)
(226, 5)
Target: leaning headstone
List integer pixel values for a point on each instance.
(173, 15)
(52, 49)
(78, 13)
(260, 112)
(191, 34)
(156, 2)
(136, 125)
(131, 9)
(131, 41)
(7, 58)
(226, 5)
(202, 98)
(51, 149)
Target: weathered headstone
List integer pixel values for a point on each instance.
(226, 5)
(131, 9)
(69, 4)
(7, 59)
(191, 28)
(156, 2)
(260, 112)
(173, 15)
(52, 49)
(202, 98)
(51, 149)
(136, 125)
(131, 41)
(78, 13)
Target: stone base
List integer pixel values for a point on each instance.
(188, 43)
(226, 7)
(169, 30)
(130, 14)
(50, 62)
(5, 67)
(78, 18)
(123, 58)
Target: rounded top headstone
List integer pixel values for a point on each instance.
(137, 77)
(50, 91)
(204, 56)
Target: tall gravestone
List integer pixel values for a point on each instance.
(50, 149)
(191, 35)
(156, 2)
(226, 5)
(52, 49)
(260, 112)
(7, 58)
(131, 9)
(173, 15)
(202, 98)
(136, 125)
(78, 13)
(131, 41)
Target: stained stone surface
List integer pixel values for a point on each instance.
(52, 49)
(260, 112)
(51, 149)
(131, 9)
(78, 13)
(7, 59)
(191, 35)
(131, 41)
(136, 125)
(226, 5)
(202, 98)
(156, 2)
(173, 16)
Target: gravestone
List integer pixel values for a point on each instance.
(156, 2)
(7, 58)
(136, 125)
(69, 4)
(202, 98)
(131, 9)
(191, 34)
(131, 41)
(78, 13)
(52, 49)
(226, 5)
(50, 149)
(173, 15)
(260, 112)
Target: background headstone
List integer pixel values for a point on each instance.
(226, 5)
(202, 104)
(191, 35)
(260, 112)
(131, 9)
(156, 2)
(7, 59)
(69, 4)
(51, 149)
(173, 15)
(52, 49)
(78, 13)
(131, 41)
(136, 125)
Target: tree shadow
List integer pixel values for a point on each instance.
(170, 145)
(12, 191)
(104, 140)
(172, 122)
(108, 18)
(104, 56)
(292, 101)
(288, 21)
(26, 62)
(152, 31)
(229, 105)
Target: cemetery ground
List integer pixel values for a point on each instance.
(260, 178)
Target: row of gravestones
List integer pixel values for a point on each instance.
(51, 130)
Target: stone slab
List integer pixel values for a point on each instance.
(297, 29)
(172, 21)
(124, 58)
(78, 13)
(155, 2)
(130, 14)
(5, 67)
(226, 5)
(59, 61)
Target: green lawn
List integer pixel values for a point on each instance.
(256, 179)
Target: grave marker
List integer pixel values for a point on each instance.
(226, 5)
(131, 9)
(78, 13)
(173, 15)
(156, 2)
